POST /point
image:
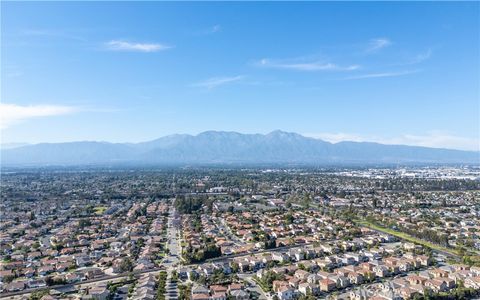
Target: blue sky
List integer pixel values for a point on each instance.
(390, 72)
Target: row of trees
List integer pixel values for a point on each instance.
(188, 205)
(266, 282)
(419, 232)
(184, 292)
(199, 255)
(459, 293)
(161, 284)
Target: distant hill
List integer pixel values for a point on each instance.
(218, 147)
(12, 145)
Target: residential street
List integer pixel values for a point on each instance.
(172, 260)
(253, 285)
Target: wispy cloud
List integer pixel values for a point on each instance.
(52, 33)
(12, 113)
(209, 30)
(120, 45)
(421, 57)
(218, 81)
(305, 65)
(381, 75)
(335, 137)
(413, 59)
(377, 44)
(438, 139)
(434, 139)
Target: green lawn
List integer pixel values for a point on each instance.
(407, 237)
(99, 210)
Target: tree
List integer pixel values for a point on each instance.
(193, 276)
(270, 243)
(84, 223)
(235, 267)
(126, 265)
(37, 295)
(289, 218)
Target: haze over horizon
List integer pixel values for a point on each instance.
(332, 140)
(134, 72)
(227, 148)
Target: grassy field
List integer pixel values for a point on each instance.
(407, 237)
(99, 210)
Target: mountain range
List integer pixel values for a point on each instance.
(220, 147)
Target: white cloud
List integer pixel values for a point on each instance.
(209, 30)
(378, 44)
(305, 66)
(438, 139)
(421, 57)
(434, 139)
(381, 75)
(49, 33)
(217, 81)
(12, 113)
(336, 137)
(119, 45)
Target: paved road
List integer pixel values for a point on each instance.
(229, 257)
(86, 283)
(169, 263)
(253, 285)
(172, 260)
(223, 227)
